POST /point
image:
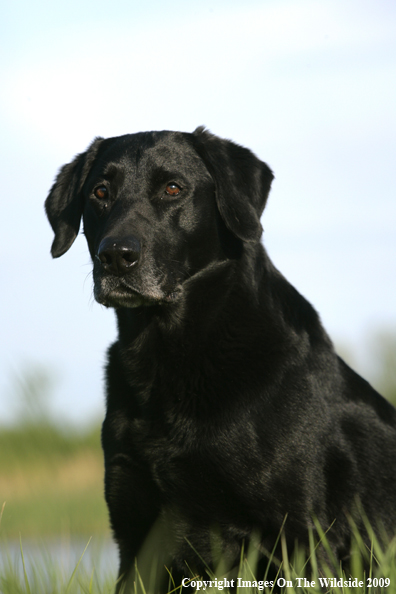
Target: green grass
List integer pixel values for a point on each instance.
(32, 445)
(52, 481)
(46, 576)
(53, 514)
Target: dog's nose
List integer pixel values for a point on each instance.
(118, 256)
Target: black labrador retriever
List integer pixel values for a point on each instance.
(227, 408)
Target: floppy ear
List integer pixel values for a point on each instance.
(242, 183)
(64, 202)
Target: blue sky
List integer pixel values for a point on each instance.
(309, 86)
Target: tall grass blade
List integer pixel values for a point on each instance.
(286, 566)
(76, 567)
(325, 543)
(271, 558)
(27, 585)
(2, 510)
(140, 581)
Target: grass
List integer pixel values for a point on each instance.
(52, 481)
(44, 575)
(33, 567)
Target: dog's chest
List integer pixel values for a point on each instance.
(173, 453)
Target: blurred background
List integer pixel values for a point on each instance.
(309, 86)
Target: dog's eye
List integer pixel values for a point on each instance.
(173, 189)
(100, 192)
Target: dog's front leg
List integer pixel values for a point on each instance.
(134, 505)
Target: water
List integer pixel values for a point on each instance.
(61, 556)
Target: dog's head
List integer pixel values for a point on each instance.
(157, 207)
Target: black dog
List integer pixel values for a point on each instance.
(227, 407)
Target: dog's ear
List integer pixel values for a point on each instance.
(64, 203)
(242, 183)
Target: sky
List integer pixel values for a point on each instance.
(309, 86)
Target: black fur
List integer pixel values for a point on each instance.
(227, 407)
